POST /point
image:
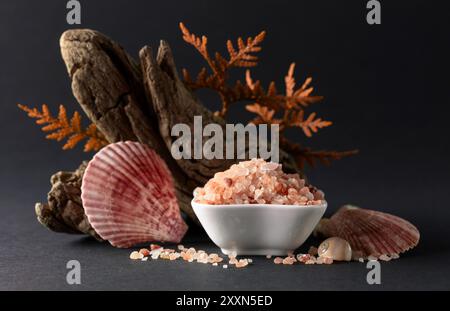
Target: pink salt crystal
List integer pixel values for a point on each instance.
(257, 182)
(288, 261)
(154, 246)
(136, 255)
(327, 261)
(155, 253)
(303, 257)
(202, 258)
(233, 254)
(304, 190)
(319, 195)
(242, 263)
(310, 262)
(269, 166)
(185, 256)
(144, 251)
(164, 255)
(278, 260)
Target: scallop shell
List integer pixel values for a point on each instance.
(370, 233)
(129, 197)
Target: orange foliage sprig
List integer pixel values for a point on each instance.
(61, 127)
(270, 106)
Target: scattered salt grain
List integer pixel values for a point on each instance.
(136, 255)
(154, 246)
(174, 256)
(278, 260)
(144, 259)
(225, 266)
(242, 263)
(233, 254)
(288, 261)
(303, 258)
(144, 251)
(232, 261)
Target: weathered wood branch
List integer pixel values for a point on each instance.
(174, 103)
(64, 210)
(107, 83)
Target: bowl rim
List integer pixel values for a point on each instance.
(257, 206)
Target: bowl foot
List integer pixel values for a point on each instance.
(256, 252)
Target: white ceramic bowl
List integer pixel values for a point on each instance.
(258, 229)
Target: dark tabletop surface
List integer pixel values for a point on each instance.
(385, 88)
(33, 258)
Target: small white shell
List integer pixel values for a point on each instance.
(336, 249)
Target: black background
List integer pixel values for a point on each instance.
(385, 87)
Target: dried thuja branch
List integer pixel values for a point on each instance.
(242, 56)
(270, 106)
(61, 127)
(291, 105)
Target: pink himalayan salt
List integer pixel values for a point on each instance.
(278, 260)
(257, 182)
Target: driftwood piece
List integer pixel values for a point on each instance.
(108, 85)
(64, 211)
(174, 103)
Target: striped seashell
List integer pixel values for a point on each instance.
(129, 197)
(370, 233)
